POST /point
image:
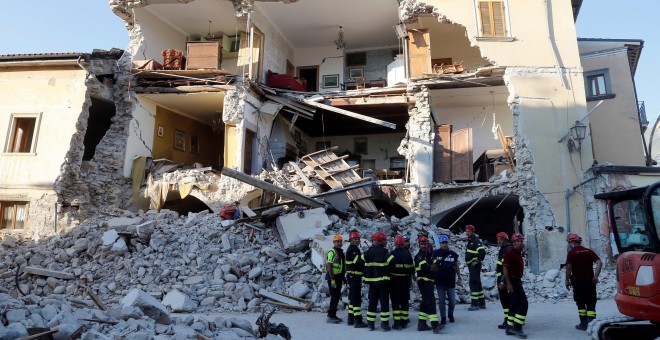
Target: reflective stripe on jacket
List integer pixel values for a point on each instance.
(423, 263)
(500, 258)
(354, 262)
(376, 265)
(402, 264)
(474, 250)
(337, 260)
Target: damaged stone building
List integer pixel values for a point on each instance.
(459, 111)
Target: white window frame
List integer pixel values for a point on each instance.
(508, 36)
(10, 133)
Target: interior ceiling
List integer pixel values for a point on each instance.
(329, 123)
(203, 107)
(366, 23)
(466, 97)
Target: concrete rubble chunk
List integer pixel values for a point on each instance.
(13, 331)
(298, 228)
(9, 241)
(123, 221)
(299, 290)
(148, 304)
(15, 315)
(46, 272)
(226, 243)
(109, 237)
(254, 272)
(179, 302)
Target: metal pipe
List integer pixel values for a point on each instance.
(569, 193)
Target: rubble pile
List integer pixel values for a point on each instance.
(137, 316)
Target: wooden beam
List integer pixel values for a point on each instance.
(367, 101)
(302, 199)
(183, 89)
(49, 273)
(351, 114)
(301, 174)
(96, 300)
(306, 111)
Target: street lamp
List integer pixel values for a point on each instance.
(578, 132)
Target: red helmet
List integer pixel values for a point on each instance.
(399, 240)
(379, 236)
(517, 237)
(422, 239)
(469, 227)
(503, 235)
(354, 234)
(574, 238)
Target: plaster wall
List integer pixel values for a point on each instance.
(377, 61)
(380, 148)
(156, 36)
(615, 130)
(276, 48)
(450, 41)
(329, 59)
(141, 133)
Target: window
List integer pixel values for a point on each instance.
(356, 59)
(22, 134)
(597, 85)
(13, 215)
(493, 23)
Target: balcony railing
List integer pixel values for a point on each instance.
(641, 110)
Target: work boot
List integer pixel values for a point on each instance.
(371, 325)
(451, 318)
(422, 326)
(582, 326)
(443, 321)
(436, 327)
(517, 331)
(503, 325)
(351, 320)
(473, 308)
(404, 323)
(359, 323)
(482, 303)
(385, 326)
(589, 319)
(397, 326)
(508, 329)
(333, 319)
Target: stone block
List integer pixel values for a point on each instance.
(148, 304)
(122, 221)
(297, 229)
(299, 290)
(254, 272)
(179, 302)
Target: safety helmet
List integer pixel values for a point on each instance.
(469, 227)
(406, 238)
(337, 237)
(444, 238)
(517, 237)
(379, 236)
(422, 239)
(399, 240)
(503, 235)
(354, 234)
(574, 238)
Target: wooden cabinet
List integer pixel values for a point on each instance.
(203, 55)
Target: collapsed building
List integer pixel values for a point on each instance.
(460, 113)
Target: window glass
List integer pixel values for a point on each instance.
(22, 134)
(20, 216)
(7, 215)
(597, 85)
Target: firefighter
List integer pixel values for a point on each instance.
(475, 253)
(377, 276)
(504, 244)
(512, 268)
(336, 268)
(580, 275)
(354, 269)
(404, 318)
(445, 278)
(401, 269)
(426, 267)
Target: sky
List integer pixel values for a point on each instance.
(44, 26)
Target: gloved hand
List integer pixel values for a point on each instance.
(345, 280)
(333, 284)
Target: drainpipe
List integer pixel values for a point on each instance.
(569, 193)
(250, 36)
(552, 42)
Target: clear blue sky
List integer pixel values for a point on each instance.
(41, 26)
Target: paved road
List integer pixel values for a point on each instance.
(544, 321)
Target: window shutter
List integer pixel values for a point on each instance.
(484, 11)
(498, 19)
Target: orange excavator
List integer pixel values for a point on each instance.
(634, 219)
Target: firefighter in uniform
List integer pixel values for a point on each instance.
(354, 269)
(335, 270)
(401, 269)
(512, 268)
(504, 244)
(475, 253)
(377, 276)
(404, 317)
(426, 266)
(580, 275)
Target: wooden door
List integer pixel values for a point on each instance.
(461, 155)
(255, 68)
(419, 50)
(247, 151)
(231, 146)
(442, 154)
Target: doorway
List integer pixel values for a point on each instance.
(311, 75)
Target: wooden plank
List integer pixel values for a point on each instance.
(402, 99)
(267, 186)
(96, 300)
(419, 52)
(247, 211)
(100, 321)
(300, 173)
(42, 334)
(183, 89)
(46, 272)
(332, 173)
(340, 158)
(351, 114)
(331, 149)
(281, 298)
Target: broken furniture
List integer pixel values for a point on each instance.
(358, 84)
(203, 55)
(173, 59)
(284, 81)
(148, 65)
(448, 68)
(490, 163)
(336, 173)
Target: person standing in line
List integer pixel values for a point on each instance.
(580, 275)
(405, 317)
(445, 278)
(335, 270)
(401, 269)
(426, 268)
(504, 244)
(475, 252)
(513, 266)
(377, 276)
(354, 270)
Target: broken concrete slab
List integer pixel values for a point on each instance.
(46, 272)
(297, 229)
(148, 304)
(109, 237)
(179, 302)
(9, 241)
(292, 303)
(122, 221)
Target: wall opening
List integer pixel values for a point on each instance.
(98, 123)
(185, 205)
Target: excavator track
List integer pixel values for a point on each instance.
(622, 327)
